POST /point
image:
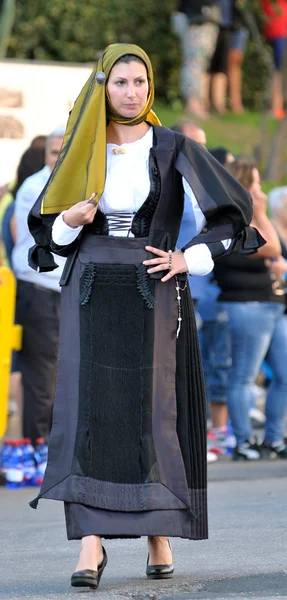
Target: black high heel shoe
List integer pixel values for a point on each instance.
(88, 577)
(159, 571)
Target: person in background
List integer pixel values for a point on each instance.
(37, 307)
(275, 30)
(277, 202)
(196, 22)
(191, 130)
(258, 328)
(223, 155)
(216, 88)
(238, 42)
(39, 142)
(32, 161)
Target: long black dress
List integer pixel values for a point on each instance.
(127, 452)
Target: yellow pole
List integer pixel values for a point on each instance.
(10, 339)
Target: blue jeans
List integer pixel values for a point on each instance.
(258, 330)
(214, 338)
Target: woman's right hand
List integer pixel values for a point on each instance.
(81, 213)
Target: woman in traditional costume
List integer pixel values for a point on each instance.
(127, 451)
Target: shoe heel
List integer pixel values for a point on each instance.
(89, 578)
(159, 571)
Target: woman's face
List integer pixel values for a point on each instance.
(128, 88)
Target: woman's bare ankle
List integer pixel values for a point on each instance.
(91, 554)
(159, 550)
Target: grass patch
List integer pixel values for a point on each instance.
(240, 134)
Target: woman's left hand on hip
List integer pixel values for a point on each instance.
(173, 262)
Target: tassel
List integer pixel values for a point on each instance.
(34, 503)
(191, 514)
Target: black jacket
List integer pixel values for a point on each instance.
(227, 206)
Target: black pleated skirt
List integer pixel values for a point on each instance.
(127, 452)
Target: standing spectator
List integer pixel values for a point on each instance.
(37, 307)
(276, 33)
(32, 161)
(238, 41)
(217, 88)
(197, 24)
(258, 327)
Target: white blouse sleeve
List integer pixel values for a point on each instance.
(198, 258)
(63, 234)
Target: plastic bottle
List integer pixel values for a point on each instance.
(41, 455)
(14, 466)
(6, 451)
(230, 439)
(29, 463)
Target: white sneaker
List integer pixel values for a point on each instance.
(211, 458)
(257, 415)
(245, 452)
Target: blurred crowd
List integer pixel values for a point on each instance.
(240, 307)
(213, 36)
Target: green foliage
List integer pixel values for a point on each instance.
(75, 31)
(70, 30)
(255, 77)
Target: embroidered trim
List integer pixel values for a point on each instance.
(86, 283)
(115, 274)
(143, 285)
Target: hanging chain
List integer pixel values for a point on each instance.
(179, 311)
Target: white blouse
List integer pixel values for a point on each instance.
(127, 187)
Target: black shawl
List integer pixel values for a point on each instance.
(227, 206)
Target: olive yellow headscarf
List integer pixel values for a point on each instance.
(81, 166)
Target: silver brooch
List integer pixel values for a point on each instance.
(100, 78)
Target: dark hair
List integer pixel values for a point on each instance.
(39, 141)
(128, 58)
(242, 169)
(177, 127)
(32, 161)
(220, 154)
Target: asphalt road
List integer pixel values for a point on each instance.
(245, 557)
